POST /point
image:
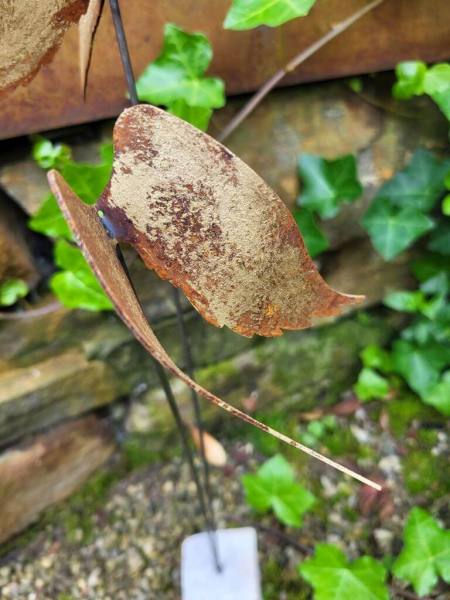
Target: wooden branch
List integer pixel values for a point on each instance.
(291, 66)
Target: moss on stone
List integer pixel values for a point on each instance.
(426, 474)
(141, 449)
(406, 409)
(341, 443)
(276, 583)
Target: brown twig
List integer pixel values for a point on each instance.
(30, 314)
(308, 550)
(291, 66)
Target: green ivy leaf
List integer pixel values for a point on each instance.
(49, 220)
(446, 205)
(107, 154)
(410, 75)
(370, 385)
(247, 14)
(314, 238)
(76, 286)
(439, 395)
(178, 73)
(49, 155)
(437, 85)
(333, 577)
(405, 301)
(440, 238)
(419, 366)
(393, 229)
(355, 84)
(274, 487)
(429, 266)
(423, 331)
(11, 290)
(327, 183)
(197, 116)
(419, 185)
(375, 357)
(87, 181)
(426, 553)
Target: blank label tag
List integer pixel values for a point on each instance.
(239, 579)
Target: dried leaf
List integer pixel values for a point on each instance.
(214, 451)
(368, 500)
(204, 220)
(345, 408)
(99, 249)
(86, 30)
(31, 33)
(312, 415)
(372, 501)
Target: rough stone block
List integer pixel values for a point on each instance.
(44, 394)
(47, 469)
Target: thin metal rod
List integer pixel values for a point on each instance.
(188, 453)
(209, 521)
(121, 38)
(131, 84)
(189, 366)
(124, 53)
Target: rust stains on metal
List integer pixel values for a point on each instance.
(244, 59)
(99, 250)
(30, 34)
(203, 219)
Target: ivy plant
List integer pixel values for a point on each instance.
(87, 181)
(426, 553)
(398, 215)
(414, 78)
(176, 79)
(248, 14)
(12, 290)
(327, 183)
(75, 285)
(314, 238)
(422, 354)
(49, 155)
(333, 577)
(274, 486)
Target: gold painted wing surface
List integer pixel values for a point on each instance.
(203, 219)
(31, 32)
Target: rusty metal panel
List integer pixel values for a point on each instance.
(397, 30)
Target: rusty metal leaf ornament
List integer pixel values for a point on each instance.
(100, 251)
(30, 34)
(203, 219)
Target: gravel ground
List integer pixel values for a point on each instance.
(129, 547)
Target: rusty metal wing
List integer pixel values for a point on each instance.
(100, 251)
(30, 35)
(203, 219)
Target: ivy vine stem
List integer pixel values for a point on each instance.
(291, 66)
